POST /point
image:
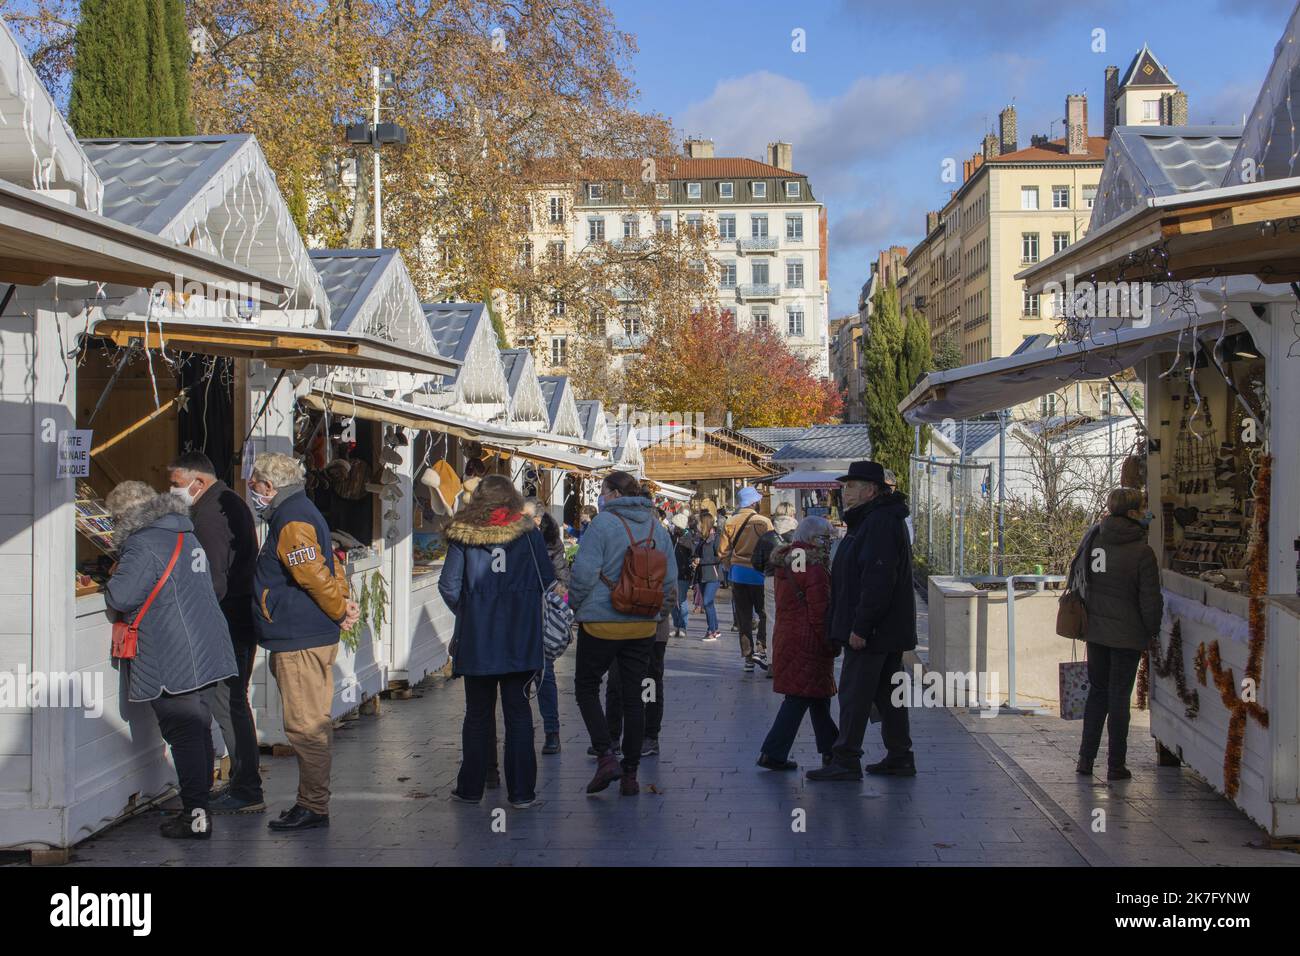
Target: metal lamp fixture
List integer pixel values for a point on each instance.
(377, 134)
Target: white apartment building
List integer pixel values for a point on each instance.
(770, 249)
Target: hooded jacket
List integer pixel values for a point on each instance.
(601, 550)
(1124, 602)
(301, 597)
(493, 580)
(803, 661)
(184, 643)
(871, 577)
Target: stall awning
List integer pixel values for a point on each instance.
(1006, 382)
(409, 415)
(556, 457)
(41, 238)
(809, 481)
(673, 492)
(277, 346)
(1247, 229)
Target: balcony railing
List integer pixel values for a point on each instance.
(763, 244)
(759, 290)
(624, 341)
(631, 244)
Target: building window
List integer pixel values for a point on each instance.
(1030, 305)
(597, 320)
(794, 321)
(792, 190)
(557, 209)
(1150, 110)
(1047, 405)
(627, 191)
(1029, 247)
(758, 190)
(1105, 401)
(694, 223)
(758, 227)
(692, 190)
(525, 255)
(794, 228)
(663, 191)
(664, 225)
(758, 273)
(1060, 197)
(595, 192)
(555, 252)
(557, 305)
(794, 273)
(631, 227)
(726, 190)
(760, 317)
(595, 230)
(559, 350)
(727, 272)
(1089, 195)
(631, 320)
(726, 227)
(1028, 197)
(1060, 241)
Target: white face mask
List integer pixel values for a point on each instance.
(184, 494)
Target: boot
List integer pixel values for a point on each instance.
(552, 745)
(607, 771)
(1083, 767)
(186, 826)
(628, 786)
(1119, 773)
(902, 767)
(767, 763)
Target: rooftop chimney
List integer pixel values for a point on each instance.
(989, 147)
(1076, 124)
(780, 155)
(1112, 97)
(1173, 108)
(699, 148)
(1007, 131)
(931, 222)
(1038, 139)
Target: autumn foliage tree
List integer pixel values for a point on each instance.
(706, 363)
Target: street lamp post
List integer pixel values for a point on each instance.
(377, 134)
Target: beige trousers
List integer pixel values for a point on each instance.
(306, 682)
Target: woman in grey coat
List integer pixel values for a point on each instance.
(184, 643)
(1119, 580)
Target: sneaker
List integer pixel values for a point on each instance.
(627, 785)
(711, 637)
(523, 804)
(749, 665)
(494, 778)
(457, 798)
(834, 771)
(761, 660)
(228, 803)
(187, 826)
(650, 747)
(607, 771)
(767, 763)
(552, 745)
(1119, 773)
(905, 767)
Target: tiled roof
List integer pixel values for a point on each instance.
(452, 325)
(774, 436)
(552, 387)
(513, 362)
(589, 410)
(669, 168)
(348, 276)
(977, 434)
(1054, 152)
(846, 442)
(1145, 70)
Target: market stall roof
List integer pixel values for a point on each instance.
(42, 237)
(673, 492)
(809, 480)
(701, 453)
(463, 331)
(278, 346)
(371, 293)
(1267, 149)
(526, 401)
(591, 416)
(561, 405)
(414, 416)
(550, 455)
(215, 193)
(1000, 383)
(825, 443)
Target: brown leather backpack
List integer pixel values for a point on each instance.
(639, 590)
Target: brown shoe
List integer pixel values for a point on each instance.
(628, 786)
(607, 771)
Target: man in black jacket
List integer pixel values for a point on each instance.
(223, 524)
(873, 616)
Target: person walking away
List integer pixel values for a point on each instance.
(184, 644)
(739, 538)
(873, 619)
(1124, 608)
(708, 576)
(496, 570)
(803, 661)
(684, 536)
(301, 608)
(548, 695)
(224, 526)
(622, 577)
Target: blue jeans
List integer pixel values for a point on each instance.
(682, 609)
(707, 593)
(548, 700)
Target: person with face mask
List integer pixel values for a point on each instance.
(873, 619)
(224, 526)
(1116, 573)
(301, 606)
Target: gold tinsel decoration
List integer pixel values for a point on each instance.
(1199, 664)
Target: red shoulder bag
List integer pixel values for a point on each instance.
(127, 636)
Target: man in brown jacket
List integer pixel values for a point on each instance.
(739, 537)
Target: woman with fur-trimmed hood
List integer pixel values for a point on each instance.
(184, 644)
(803, 661)
(496, 570)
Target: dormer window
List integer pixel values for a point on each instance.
(758, 190)
(793, 189)
(692, 190)
(594, 192)
(663, 192)
(726, 190)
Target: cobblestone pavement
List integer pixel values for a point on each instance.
(998, 791)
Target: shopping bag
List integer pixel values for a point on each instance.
(1073, 689)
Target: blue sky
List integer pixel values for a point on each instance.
(886, 91)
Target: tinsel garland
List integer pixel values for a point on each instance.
(1172, 664)
(1198, 663)
(1144, 680)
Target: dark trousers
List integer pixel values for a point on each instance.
(1111, 672)
(750, 601)
(229, 703)
(866, 678)
(478, 736)
(185, 721)
(789, 718)
(654, 710)
(595, 657)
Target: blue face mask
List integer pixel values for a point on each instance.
(260, 502)
(1146, 519)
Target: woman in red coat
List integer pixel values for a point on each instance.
(802, 661)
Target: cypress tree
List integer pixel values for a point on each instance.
(915, 361)
(162, 88)
(109, 95)
(178, 39)
(891, 438)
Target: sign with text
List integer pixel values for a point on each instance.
(74, 453)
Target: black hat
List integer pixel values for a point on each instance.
(865, 471)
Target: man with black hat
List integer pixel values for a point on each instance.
(873, 617)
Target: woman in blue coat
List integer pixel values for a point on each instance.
(496, 570)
